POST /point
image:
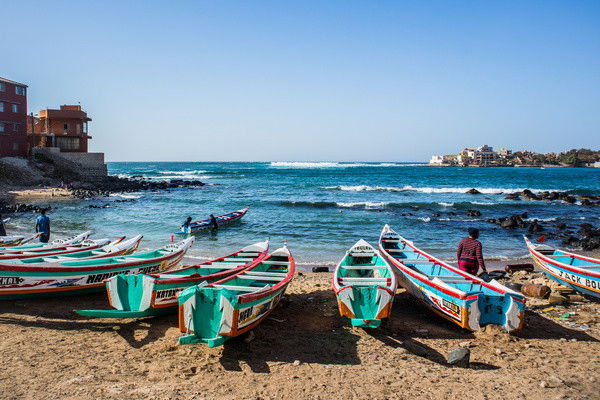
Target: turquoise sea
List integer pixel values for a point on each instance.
(322, 208)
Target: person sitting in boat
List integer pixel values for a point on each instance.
(469, 254)
(2, 229)
(186, 225)
(213, 223)
(42, 224)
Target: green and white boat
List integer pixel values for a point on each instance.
(143, 295)
(364, 284)
(212, 313)
(84, 276)
(56, 244)
(119, 248)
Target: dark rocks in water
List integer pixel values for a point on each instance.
(99, 206)
(524, 215)
(570, 240)
(473, 191)
(513, 196)
(459, 357)
(473, 213)
(21, 207)
(114, 184)
(320, 269)
(586, 202)
(529, 195)
(415, 208)
(535, 227)
(451, 213)
(435, 214)
(561, 226)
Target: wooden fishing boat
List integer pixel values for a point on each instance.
(77, 277)
(364, 284)
(86, 245)
(142, 295)
(456, 295)
(5, 220)
(224, 219)
(56, 244)
(119, 248)
(10, 241)
(213, 313)
(569, 269)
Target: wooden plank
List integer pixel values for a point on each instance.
(260, 278)
(239, 288)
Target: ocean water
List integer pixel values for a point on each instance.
(322, 208)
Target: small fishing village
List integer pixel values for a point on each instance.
(328, 238)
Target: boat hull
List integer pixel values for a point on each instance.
(583, 283)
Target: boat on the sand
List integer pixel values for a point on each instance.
(225, 219)
(569, 269)
(142, 295)
(56, 244)
(86, 245)
(118, 248)
(16, 240)
(212, 313)
(462, 298)
(84, 276)
(364, 284)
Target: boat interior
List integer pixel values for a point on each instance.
(570, 259)
(364, 269)
(223, 264)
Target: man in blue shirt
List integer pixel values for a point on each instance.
(42, 224)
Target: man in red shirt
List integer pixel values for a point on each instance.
(469, 255)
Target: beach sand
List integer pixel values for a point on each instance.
(304, 350)
(19, 195)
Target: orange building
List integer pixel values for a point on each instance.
(66, 129)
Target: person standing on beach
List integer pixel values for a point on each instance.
(42, 224)
(469, 254)
(2, 229)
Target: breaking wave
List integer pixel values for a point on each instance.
(330, 164)
(427, 189)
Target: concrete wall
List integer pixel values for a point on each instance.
(89, 165)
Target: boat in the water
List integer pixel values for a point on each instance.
(83, 276)
(569, 269)
(119, 248)
(142, 295)
(86, 245)
(225, 219)
(212, 313)
(456, 295)
(56, 244)
(364, 284)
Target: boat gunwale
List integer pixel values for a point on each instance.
(205, 222)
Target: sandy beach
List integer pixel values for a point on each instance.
(304, 350)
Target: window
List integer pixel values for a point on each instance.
(66, 127)
(2, 87)
(20, 90)
(15, 127)
(1, 106)
(1, 126)
(15, 108)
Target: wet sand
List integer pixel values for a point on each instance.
(304, 350)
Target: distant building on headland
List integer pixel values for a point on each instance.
(485, 156)
(66, 128)
(13, 114)
(59, 134)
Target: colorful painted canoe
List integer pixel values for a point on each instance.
(142, 295)
(44, 247)
(77, 277)
(456, 295)
(213, 313)
(572, 270)
(224, 219)
(364, 284)
(86, 245)
(120, 248)
(11, 241)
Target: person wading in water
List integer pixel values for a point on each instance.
(469, 254)
(42, 224)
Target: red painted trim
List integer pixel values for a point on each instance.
(560, 265)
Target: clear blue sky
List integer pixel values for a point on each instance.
(322, 80)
